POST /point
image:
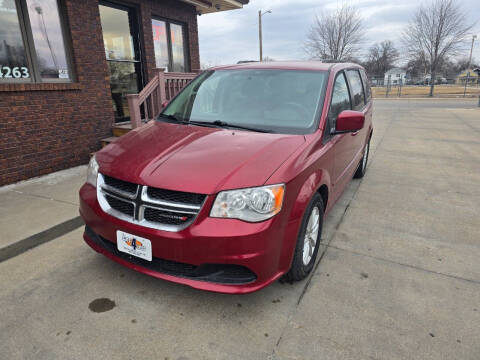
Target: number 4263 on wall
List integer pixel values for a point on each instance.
(16, 72)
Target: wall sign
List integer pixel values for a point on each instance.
(63, 74)
(7, 72)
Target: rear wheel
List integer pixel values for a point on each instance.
(362, 167)
(308, 240)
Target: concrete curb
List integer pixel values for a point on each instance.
(19, 247)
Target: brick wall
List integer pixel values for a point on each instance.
(49, 127)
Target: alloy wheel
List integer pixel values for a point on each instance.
(365, 156)
(311, 235)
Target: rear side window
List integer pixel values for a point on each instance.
(366, 85)
(358, 97)
(340, 101)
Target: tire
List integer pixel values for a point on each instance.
(303, 265)
(362, 166)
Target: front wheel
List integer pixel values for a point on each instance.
(308, 240)
(362, 167)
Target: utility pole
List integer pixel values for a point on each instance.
(260, 33)
(260, 14)
(469, 65)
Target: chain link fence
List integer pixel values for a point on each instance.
(393, 86)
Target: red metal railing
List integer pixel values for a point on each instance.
(163, 87)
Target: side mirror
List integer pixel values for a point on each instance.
(349, 121)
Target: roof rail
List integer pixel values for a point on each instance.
(332, 61)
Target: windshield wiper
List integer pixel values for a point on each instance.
(187, 122)
(173, 117)
(224, 124)
(216, 123)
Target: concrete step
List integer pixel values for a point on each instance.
(108, 140)
(121, 129)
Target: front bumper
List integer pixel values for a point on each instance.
(221, 255)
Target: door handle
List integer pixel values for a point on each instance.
(355, 133)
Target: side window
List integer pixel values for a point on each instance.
(358, 97)
(366, 85)
(340, 101)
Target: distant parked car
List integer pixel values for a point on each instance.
(227, 190)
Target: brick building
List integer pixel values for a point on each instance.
(66, 67)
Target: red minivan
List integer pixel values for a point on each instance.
(227, 189)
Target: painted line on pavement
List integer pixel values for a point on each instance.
(18, 247)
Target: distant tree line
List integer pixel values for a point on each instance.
(432, 39)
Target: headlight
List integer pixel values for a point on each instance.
(92, 172)
(252, 204)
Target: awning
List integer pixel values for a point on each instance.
(210, 6)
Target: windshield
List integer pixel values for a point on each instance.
(282, 101)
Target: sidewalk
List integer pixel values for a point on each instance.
(38, 210)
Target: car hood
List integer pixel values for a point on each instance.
(196, 159)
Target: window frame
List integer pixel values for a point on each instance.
(186, 44)
(351, 89)
(31, 52)
(327, 133)
(367, 89)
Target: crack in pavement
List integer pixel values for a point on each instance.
(350, 251)
(331, 237)
(43, 197)
(458, 117)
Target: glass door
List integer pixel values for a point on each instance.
(120, 38)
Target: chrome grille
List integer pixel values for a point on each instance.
(175, 196)
(121, 186)
(126, 208)
(147, 206)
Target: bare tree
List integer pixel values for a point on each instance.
(437, 30)
(381, 58)
(418, 67)
(268, 59)
(335, 35)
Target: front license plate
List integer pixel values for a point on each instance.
(134, 245)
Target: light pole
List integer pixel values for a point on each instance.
(260, 14)
(469, 65)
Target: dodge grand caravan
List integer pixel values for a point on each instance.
(227, 189)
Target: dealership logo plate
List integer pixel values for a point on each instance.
(134, 245)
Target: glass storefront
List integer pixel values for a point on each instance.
(121, 51)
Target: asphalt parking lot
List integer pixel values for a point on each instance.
(399, 275)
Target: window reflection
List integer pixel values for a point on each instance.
(160, 43)
(118, 27)
(357, 89)
(169, 45)
(12, 51)
(48, 38)
(117, 37)
(178, 56)
(340, 100)
(123, 81)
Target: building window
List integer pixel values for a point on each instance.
(170, 45)
(32, 43)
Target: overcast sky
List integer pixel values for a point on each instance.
(230, 36)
